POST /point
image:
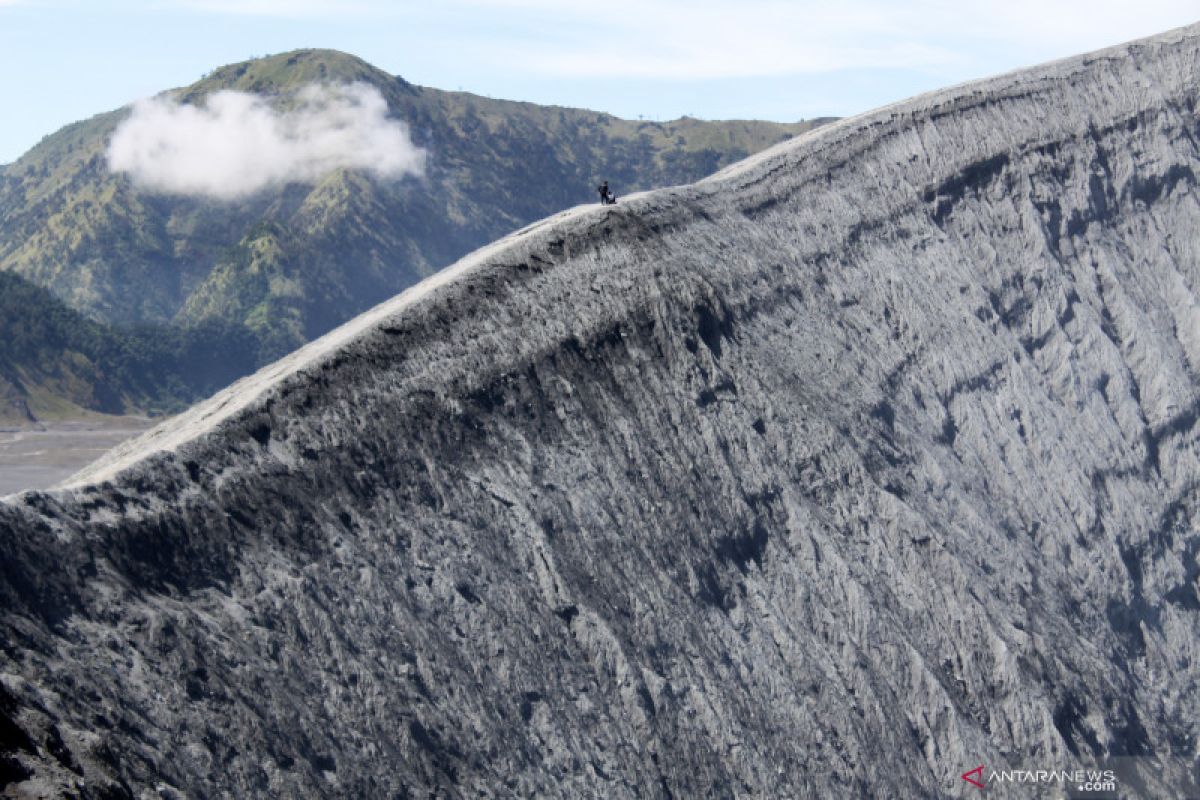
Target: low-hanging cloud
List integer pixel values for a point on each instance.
(236, 143)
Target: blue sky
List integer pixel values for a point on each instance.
(63, 60)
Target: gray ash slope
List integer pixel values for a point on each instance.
(866, 461)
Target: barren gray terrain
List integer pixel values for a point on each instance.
(866, 461)
(39, 456)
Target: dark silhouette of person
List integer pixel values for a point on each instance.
(606, 197)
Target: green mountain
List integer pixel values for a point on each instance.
(287, 264)
(55, 362)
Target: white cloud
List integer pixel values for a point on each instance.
(236, 143)
(705, 39)
(682, 39)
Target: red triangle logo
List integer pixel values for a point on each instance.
(978, 772)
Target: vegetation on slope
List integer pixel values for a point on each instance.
(55, 361)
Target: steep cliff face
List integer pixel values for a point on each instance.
(866, 461)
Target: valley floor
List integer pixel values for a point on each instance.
(37, 458)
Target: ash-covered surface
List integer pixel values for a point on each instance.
(863, 463)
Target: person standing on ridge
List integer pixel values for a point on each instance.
(607, 198)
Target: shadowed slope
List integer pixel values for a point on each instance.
(864, 462)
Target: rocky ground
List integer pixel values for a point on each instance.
(865, 462)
